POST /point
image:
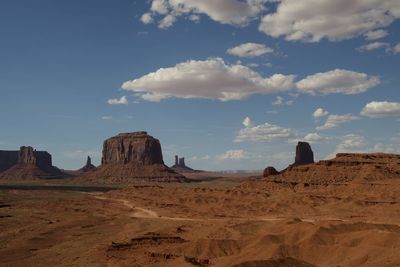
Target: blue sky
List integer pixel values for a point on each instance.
(227, 84)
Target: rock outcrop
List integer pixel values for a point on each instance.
(28, 164)
(180, 165)
(304, 154)
(130, 157)
(88, 166)
(345, 168)
(8, 159)
(270, 171)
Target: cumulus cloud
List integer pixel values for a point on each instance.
(115, 101)
(310, 138)
(395, 49)
(233, 154)
(247, 122)
(319, 113)
(373, 46)
(311, 20)
(211, 79)
(280, 101)
(146, 18)
(234, 12)
(374, 35)
(337, 81)
(334, 120)
(262, 132)
(249, 50)
(380, 109)
(167, 21)
(351, 143)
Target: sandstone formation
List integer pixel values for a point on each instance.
(304, 154)
(27, 164)
(270, 171)
(345, 168)
(88, 166)
(180, 165)
(129, 157)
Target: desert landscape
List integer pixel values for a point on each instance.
(135, 211)
(174, 133)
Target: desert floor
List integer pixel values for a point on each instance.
(217, 222)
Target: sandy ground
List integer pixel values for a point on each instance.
(214, 223)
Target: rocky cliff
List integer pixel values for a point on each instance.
(180, 165)
(345, 168)
(129, 157)
(28, 164)
(304, 154)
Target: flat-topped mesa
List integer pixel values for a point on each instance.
(27, 163)
(28, 156)
(137, 148)
(131, 158)
(304, 154)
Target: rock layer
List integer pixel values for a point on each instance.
(345, 168)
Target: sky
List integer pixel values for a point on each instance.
(227, 84)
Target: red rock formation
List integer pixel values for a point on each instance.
(304, 154)
(270, 171)
(345, 168)
(88, 166)
(31, 164)
(131, 156)
(8, 159)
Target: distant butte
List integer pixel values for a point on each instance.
(132, 156)
(28, 164)
(180, 165)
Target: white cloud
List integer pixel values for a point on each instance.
(146, 18)
(247, 122)
(313, 20)
(351, 143)
(379, 109)
(319, 113)
(194, 18)
(253, 65)
(233, 154)
(106, 118)
(280, 101)
(249, 50)
(374, 35)
(337, 81)
(115, 101)
(314, 138)
(159, 6)
(334, 120)
(262, 132)
(211, 79)
(234, 12)
(395, 49)
(372, 46)
(167, 21)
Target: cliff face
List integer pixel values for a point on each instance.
(304, 154)
(136, 148)
(8, 159)
(129, 157)
(27, 164)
